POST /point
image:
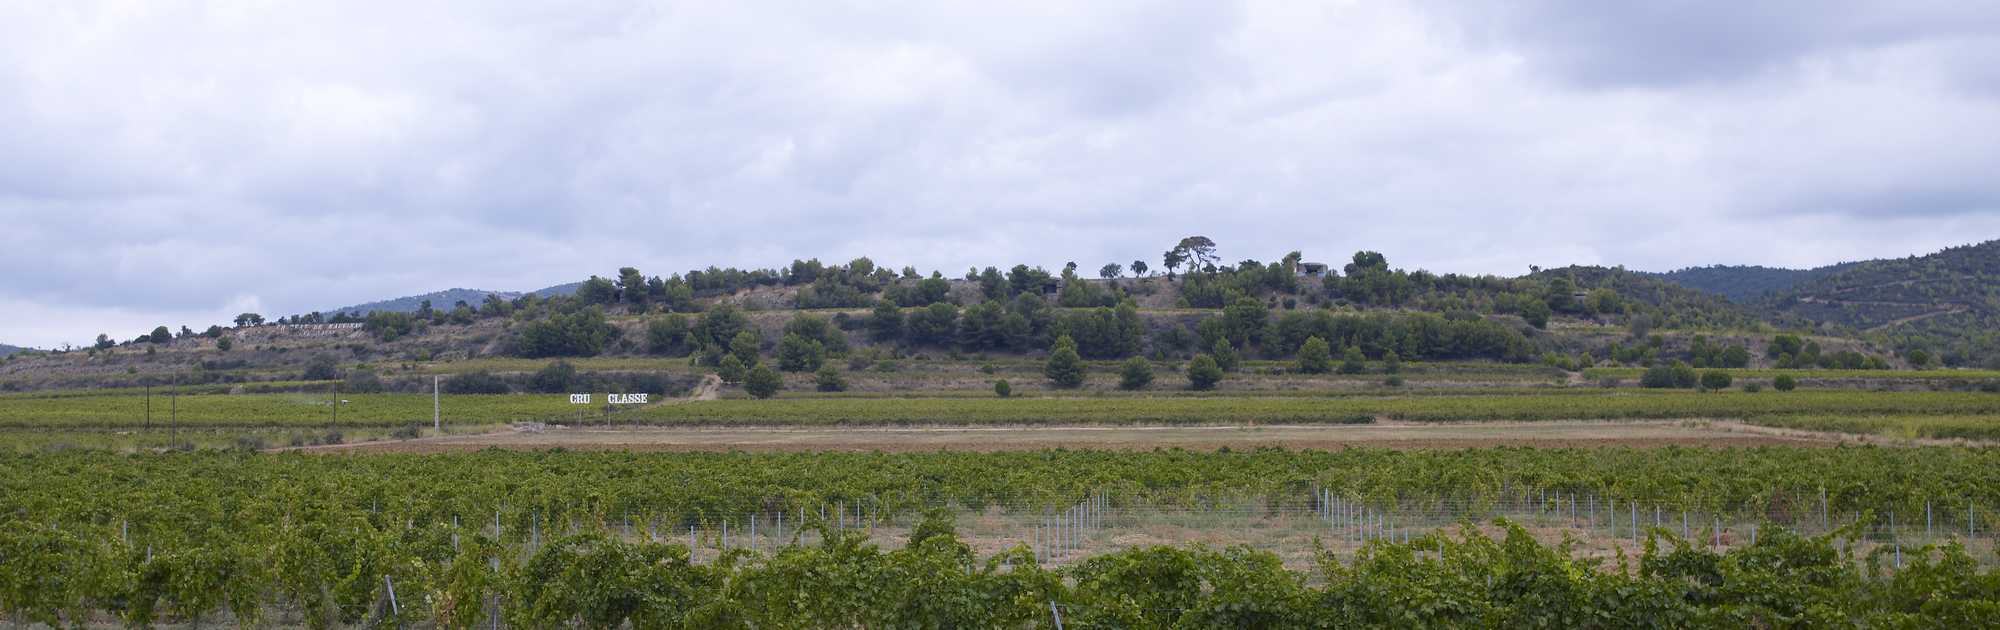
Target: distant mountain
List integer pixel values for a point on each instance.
(560, 289)
(7, 349)
(1744, 284)
(1947, 302)
(441, 300)
(1678, 305)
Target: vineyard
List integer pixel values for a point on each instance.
(559, 539)
(1580, 404)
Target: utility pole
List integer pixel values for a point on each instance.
(437, 408)
(336, 408)
(149, 407)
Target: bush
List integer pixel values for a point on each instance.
(828, 379)
(1203, 373)
(224, 344)
(1002, 389)
(1064, 368)
(320, 368)
(249, 443)
(1225, 355)
(799, 354)
(481, 382)
(332, 437)
(763, 382)
(1137, 373)
(1990, 387)
(1715, 380)
(363, 382)
(1393, 381)
(1392, 363)
(1352, 362)
(1784, 383)
(1753, 387)
(407, 432)
(1315, 357)
(731, 370)
(556, 378)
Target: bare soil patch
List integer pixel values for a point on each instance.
(1560, 434)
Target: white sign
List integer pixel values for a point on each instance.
(579, 399)
(626, 399)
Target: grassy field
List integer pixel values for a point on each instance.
(1634, 373)
(1894, 426)
(1600, 404)
(128, 410)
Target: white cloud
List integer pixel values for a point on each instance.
(172, 161)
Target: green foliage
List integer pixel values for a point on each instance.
(224, 344)
(762, 382)
(1225, 355)
(320, 368)
(1064, 368)
(1002, 388)
(935, 325)
(672, 335)
(480, 382)
(1315, 357)
(799, 354)
(1392, 363)
(1678, 375)
(745, 347)
(885, 323)
(1784, 383)
(731, 369)
(580, 334)
(1135, 373)
(1715, 380)
(1203, 373)
(1536, 312)
(557, 378)
(828, 379)
(1353, 362)
(719, 325)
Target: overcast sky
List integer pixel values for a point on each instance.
(167, 162)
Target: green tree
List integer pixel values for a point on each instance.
(1784, 383)
(1353, 362)
(1224, 355)
(885, 323)
(1002, 389)
(745, 346)
(597, 291)
(1391, 362)
(799, 354)
(1203, 373)
(763, 382)
(1136, 373)
(1919, 359)
(1110, 270)
(669, 335)
(224, 344)
(730, 370)
(1064, 368)
(1315, 357)
(1716, 380)
(1139, 268)
(249, 319)
(718, 325)
(1535, 311)
(160, 335)
(828, 379)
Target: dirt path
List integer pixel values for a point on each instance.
(1559, 434)
(710, 387)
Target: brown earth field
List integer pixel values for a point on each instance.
(1552, 434)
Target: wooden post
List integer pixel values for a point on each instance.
(437, 407)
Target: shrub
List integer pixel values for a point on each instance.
(1136, 373)
(763, 382)
(1393, 381)
(1225, 355)
(1715, 380)
(481, 382)
(320, 368)
(407, 432)
(1315, 357)
(1753, 387)
(1064, 368)
(1002, 389)
(796, 353)
(363, 382)
(1392, 363)
(555, 378)
(1352, 362)
(1784, 383)
(1203, 373)
(828, 379)
(731, 370)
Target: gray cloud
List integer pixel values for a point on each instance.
(175, 162)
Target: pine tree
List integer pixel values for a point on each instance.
(1065, 368)
(1315, 357)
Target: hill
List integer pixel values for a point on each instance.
(1946, 304)
(8, 350)
(438, 299)
(1746, 284)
